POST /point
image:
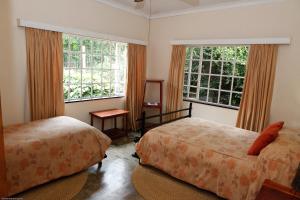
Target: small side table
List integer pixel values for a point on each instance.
(115, 132)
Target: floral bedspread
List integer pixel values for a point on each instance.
(44, 150)
(214, 157)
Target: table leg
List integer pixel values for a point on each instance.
(115, 122)
(102, 125)
(92, 120)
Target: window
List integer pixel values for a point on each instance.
(215, 75)
(93, 68)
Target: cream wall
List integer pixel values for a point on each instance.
(268, 20)
(276, 19)
(86, 15)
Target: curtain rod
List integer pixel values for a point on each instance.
(49, 27)
(271, 40)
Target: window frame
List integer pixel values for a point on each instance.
(92, 54)
(210, 74)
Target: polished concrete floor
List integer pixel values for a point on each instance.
(113, 180)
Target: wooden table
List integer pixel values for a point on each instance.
(274, 191)
(108, 114)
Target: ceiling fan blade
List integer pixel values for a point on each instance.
(191, 2)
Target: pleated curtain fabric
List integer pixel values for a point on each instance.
(254, 112)
(45, 73)
(175, 80)
(3, 179)
(136, 77)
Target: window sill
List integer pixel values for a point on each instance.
(211, 104)
(95, 99)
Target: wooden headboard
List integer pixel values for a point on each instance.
(3, 179)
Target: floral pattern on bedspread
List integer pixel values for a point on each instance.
(44, 150)
(214, 157)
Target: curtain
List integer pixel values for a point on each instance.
(45, 73)
(3, 180)
(136, 77)
(175, 80)
(256, 100)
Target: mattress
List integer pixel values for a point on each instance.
(45, 150)
(213, 156)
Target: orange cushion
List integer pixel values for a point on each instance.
(277, 125)
(267, 136)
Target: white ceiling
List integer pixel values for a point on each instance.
(161, 8)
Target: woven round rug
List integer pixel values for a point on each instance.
(61, 189)
(152, 184)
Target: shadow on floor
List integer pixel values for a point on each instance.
(113, 180)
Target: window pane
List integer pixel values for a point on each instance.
(216, 67)
(187, 65)
(213, 96)
(203, 94)
(106, 89)
(66, 76)
(207, 53)
(193, 95)
(188, 53)
(236, 99)
(86, 76)
(97, 76)
(112, 48)
(106, 76)
(66, 59)
(75, 91)
(240, 69)
(105, 48)
(214, 82)
(86, 91)
(97, 61)
(194, 79)
(121, 89)
(97, 90)
(226, 83)
(87, 43)
(75, 61)
(97, 45)
(75, 76)
(75, 43)
(242, 53)
(227, 68)
(193, 89)
(196, 53)
(204, 81)
(186, 78)
(229, 53)
(224, 98)
(66, 91)
(66, 42)
(195, 66)
(217, 53)
(205, 67)
(238, 84)
(185, 90)
(106, 62)
(115, 76)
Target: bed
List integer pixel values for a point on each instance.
(41, 151)
(213, 156)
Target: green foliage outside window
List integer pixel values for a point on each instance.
(215, 74)
(93, 68)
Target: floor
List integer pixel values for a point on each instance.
(113, 180)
